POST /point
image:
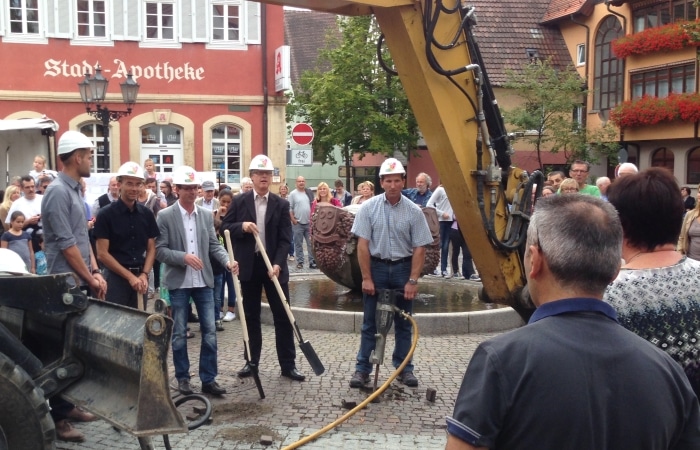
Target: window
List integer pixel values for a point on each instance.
(24, 17)
(693, 175)
(580, 54)
(92, 18)
(662, 157)
(160, 24)
(608, 77)
(95, 132)
(163, 145)
(663, 13)
(662, 82)
(226, 154)
(226, 23)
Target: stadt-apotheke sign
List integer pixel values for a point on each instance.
(160, 71)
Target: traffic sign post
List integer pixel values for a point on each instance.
(302, 134)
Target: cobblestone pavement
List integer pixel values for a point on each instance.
(403, 419)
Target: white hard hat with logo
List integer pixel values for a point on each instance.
(391, 166)
(131, 169)
(185, 175)
(261, 162)
(73, 140)
(11, 263)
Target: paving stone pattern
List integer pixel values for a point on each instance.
(403, 419)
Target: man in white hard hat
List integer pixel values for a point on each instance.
(125, 234)
(186, 243)
(67, 247)
(261, 212)
(392, 232)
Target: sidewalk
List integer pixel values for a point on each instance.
(291, 410)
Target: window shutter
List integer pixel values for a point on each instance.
(252, 22)
(132, 20)
(201, 23)
(187, 14)
(117, 16)
(58, 18)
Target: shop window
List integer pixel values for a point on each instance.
(95, 132)
(226, 154)
(92, 18)
(662, 157)
(693, 175)
(662, 82)
(608, 78)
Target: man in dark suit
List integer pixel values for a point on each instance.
(259, 211)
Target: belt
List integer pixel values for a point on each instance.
(135, 270)
(391, 262)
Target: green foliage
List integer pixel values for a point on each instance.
(546, 118)
(355, 104)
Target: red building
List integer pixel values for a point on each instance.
(206, 71)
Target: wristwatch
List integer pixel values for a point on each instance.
(96, 271)
(412, 281)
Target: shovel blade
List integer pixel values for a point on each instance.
(312, 357)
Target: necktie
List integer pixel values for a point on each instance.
(260, 211)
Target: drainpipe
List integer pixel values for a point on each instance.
(263, 34)
(624, 19)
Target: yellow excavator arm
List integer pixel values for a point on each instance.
(440, 67)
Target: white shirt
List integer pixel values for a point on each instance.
(28, 207)
(260, 212)
(193, 278)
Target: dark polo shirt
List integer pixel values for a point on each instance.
(573, 378)
(127, 230)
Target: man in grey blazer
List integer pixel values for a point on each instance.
(187, 241)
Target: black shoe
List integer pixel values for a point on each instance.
(219, 325)
(193, 318)
(300, 266)
(313, 266)
(184, 387)
(359, 379)
(293, 374)
(408, 379)
(245, 372)
(213, 388)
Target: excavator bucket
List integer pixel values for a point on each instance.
(125, 377)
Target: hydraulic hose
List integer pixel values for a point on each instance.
(374, 395)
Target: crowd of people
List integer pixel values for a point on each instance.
(635, 292)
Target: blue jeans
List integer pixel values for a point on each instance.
(445, 227)
(218, 295)
(204, 301)
(386, 276)
(300, 233)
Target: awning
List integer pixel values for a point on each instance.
(28, 124)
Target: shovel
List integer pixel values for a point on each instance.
(241, 314)
(305, 346)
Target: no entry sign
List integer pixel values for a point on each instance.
(302, 134)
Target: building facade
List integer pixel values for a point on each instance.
(628, 51)
(205, 67)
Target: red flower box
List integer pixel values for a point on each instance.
(649, 110)
(671, 37)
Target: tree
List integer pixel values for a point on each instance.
(354, 105)
(546, 117)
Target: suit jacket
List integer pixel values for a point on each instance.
(278, 232)
(215, 203)
(171, 246)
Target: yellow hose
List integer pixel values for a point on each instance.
(374, 395)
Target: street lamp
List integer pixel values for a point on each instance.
(93, 90)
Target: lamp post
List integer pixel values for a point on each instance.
(94, 90)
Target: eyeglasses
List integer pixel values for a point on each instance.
(578, 171)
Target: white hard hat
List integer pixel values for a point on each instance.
(391, 166)
(73, 140)
(11, 262)
(130, 169)
(261, 162)
(185, 175)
